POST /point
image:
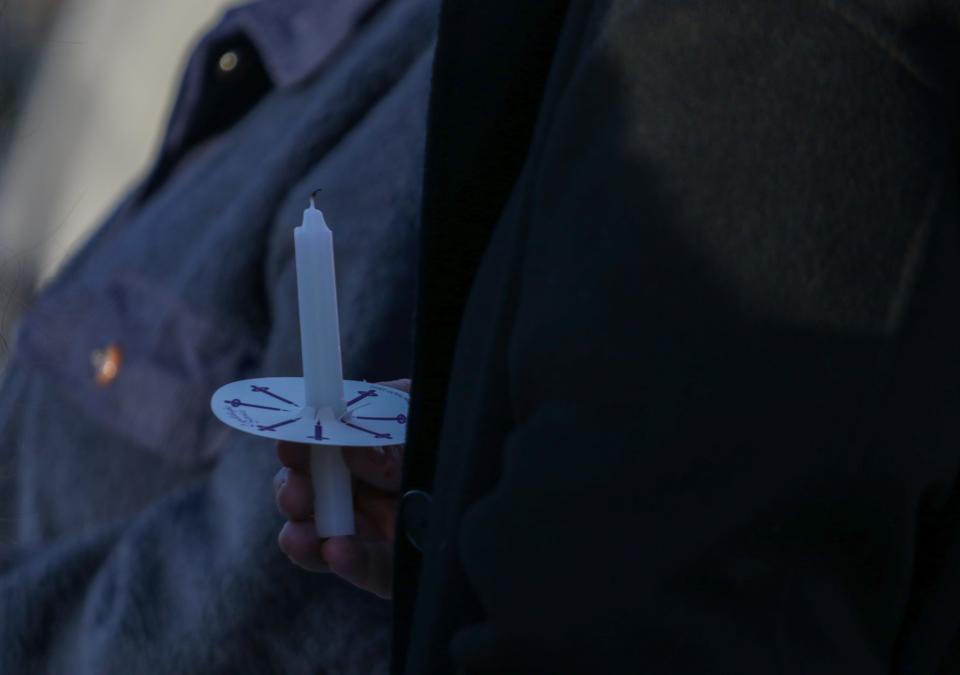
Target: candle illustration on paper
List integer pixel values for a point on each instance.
(321, 408)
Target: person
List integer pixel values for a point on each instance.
(142, 534)
(687, 362)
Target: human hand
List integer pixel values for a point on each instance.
(366, 558)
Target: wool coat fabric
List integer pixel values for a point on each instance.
(686, 392)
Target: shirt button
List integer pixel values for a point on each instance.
(414, 513)
(228, 61)
(106, 364)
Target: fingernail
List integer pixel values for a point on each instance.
(377, 455)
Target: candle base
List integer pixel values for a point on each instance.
(327, 415)
(273, 407)
(333, 494)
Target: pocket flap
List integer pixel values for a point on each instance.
(168, 358)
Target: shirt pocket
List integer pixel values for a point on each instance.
(165, 360)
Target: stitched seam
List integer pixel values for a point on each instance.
(912, 262)
(883, 42)
(532, 174)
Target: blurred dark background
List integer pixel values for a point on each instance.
(85, 90)
(24, 27)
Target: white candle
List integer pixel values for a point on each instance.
(319, 322)
(322, 370)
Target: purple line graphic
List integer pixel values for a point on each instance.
(318, 433)
(266, 390)
(362, 395)
(372, 433)
(236, 403)
(399, 419)
(273, 427)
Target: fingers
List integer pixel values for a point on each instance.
(294, 494)
(380, 467)
(377, 510)
(292, 486)
(364, 562)
(299, 541)
(403, 384)
(294, 455)
(366, 559)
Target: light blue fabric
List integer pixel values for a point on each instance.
(141, 532)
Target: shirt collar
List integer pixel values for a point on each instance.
(293, 38)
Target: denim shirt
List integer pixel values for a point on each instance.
(139, 533)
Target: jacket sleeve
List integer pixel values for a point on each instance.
(734, 352)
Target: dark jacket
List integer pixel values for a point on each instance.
(687, 371)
